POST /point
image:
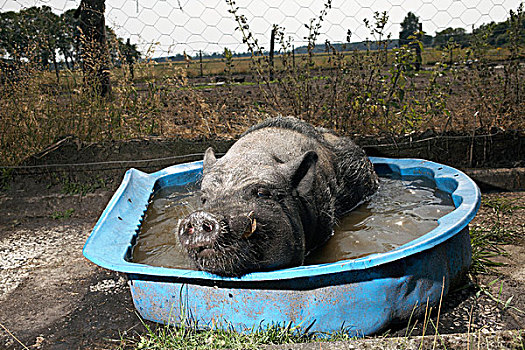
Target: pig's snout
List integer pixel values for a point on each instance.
(200, 229)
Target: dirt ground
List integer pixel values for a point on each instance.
(53, 298)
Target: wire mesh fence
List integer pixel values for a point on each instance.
(212, 67)
(169, 27)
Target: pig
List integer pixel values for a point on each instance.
(275, 196)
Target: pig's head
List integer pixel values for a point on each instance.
(254, 212)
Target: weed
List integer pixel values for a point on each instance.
(488, 237)
(519, 340)
(62, 215)
(82, 188)
(485, 246)
(505, 304)
(376, 90)
(486, 241)
(6, 175)
(228, 66)
(501, 206)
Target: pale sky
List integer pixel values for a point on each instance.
(168, 27)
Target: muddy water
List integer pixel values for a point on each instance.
(399, 212)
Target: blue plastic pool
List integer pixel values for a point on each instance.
(361, 295)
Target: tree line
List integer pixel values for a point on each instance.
(38, 35)
(497, 33)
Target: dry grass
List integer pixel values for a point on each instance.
(36, 110)
(368, 92)
(215, 66)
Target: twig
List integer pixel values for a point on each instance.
(13, 336)
(469, 324)
(439, 312)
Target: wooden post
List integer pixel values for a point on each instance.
(200, 60)
(419, 57)
(293, 56)
(272, 49)
(130, 58)
(94, 53)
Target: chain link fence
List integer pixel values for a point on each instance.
(170, 27)
(207, 68)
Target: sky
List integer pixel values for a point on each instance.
(169, 27)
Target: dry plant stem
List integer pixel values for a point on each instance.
(407, 334)
(439, 311)
(425, 323)
(13, 336)
(469, 325)
(374, 91)
(253, 46)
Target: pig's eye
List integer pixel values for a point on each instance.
(263, 193)
(203, 200)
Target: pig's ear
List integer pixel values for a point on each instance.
(301, 171)
(209, 159)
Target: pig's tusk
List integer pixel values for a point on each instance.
(250, 229)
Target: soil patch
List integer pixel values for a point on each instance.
(72, 160)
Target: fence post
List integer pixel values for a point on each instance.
(293, 56)
(200, 61)
(95, 55)
(130, 59)
(419, 36)
(272, 49)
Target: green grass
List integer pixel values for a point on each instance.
(222, 336)
(6, 176)
(487, 239)
(62, 215)
(82, 188)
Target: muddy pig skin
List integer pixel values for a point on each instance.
(274, 197)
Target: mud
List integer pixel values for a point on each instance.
(52, 298)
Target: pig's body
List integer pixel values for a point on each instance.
(274, 197)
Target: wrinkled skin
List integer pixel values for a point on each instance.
(274, 197)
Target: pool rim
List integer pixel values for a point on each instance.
(464, 192)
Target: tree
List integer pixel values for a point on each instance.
(31, 34)
(10, 35)
(499, 32)
(40, 30)
(409, 27)
(68, 39)
(37, 35)
(456, 35)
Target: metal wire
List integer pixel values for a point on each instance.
(168, 27)
(137, 162)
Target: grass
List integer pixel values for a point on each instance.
(62, 215)
(5, 178)
(241, 65)
(505, 304)
(82, 188)
(488, 237)
(222, 336)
